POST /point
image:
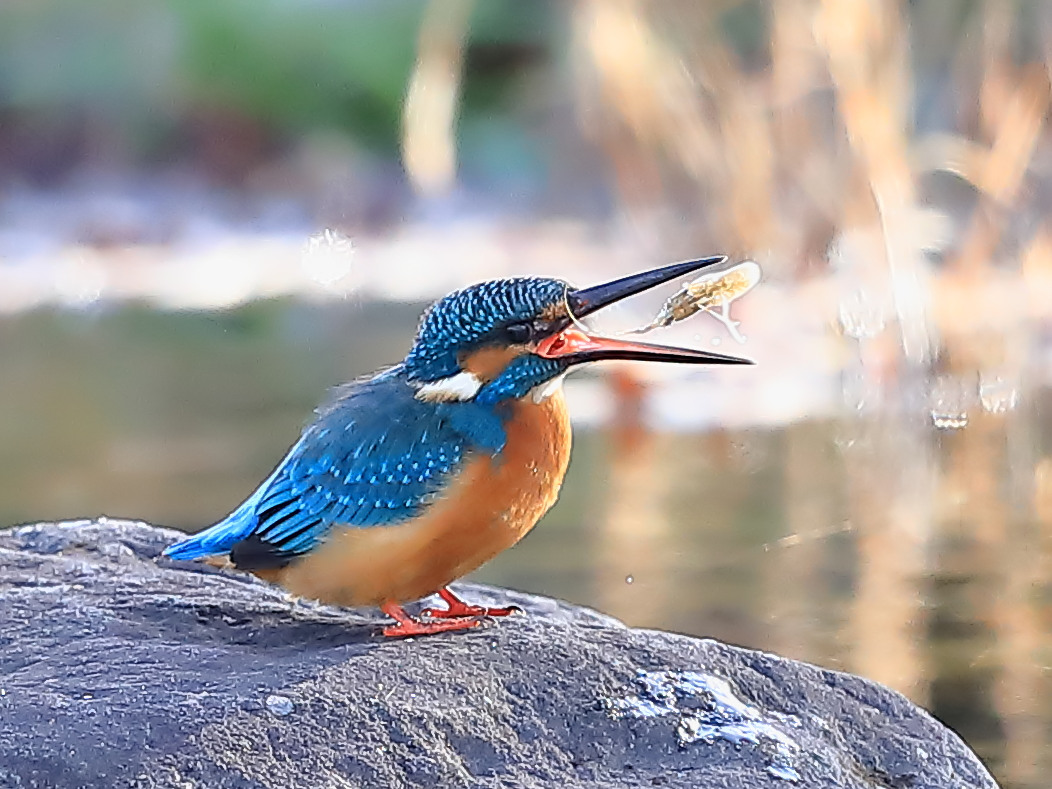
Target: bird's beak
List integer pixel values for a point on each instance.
(576, 346)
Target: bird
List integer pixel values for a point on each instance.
(409, 479)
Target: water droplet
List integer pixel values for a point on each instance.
(861, 392)
(629, 579)
(327, 257)
(948, 421)
(949, 402)
(998, 392)
(279, 705)
(80, 281)
(861, 316)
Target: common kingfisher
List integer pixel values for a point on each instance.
(416, 476)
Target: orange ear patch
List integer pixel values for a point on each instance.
(488, 363)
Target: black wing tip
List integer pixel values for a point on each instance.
(253, 553)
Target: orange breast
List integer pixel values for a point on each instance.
(490, 507)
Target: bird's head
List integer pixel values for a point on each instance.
(501, 339)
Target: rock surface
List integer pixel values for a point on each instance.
(118, 669)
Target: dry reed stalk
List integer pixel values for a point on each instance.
(1037, 274)
(865, 44)
(633, 91)
(677, 123)
(999, 172)
(429, 114)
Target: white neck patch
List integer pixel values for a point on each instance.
(455, 389)
(547, 389)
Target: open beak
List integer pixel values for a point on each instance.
(575, 346)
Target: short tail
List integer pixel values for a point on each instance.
(218, 539)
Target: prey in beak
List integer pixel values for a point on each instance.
(575, 346)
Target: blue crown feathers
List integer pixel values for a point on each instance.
(465, 318)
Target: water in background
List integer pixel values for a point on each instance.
(911, 549)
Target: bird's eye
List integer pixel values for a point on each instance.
(519, 333)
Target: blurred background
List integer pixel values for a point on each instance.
(211, 212)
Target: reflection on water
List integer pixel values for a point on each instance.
(915, 556)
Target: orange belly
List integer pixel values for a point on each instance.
(490, 507)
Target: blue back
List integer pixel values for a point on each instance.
(374, 456)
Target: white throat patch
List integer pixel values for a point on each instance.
(547, 389)
(455, 389)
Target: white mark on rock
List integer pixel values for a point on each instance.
(279, 705)
(721, 715)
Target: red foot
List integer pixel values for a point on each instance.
(459, 609)
(407, 626)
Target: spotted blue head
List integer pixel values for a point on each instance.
(504, 338)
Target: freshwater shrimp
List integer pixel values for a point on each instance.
(711, 293)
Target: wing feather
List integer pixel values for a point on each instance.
(376, 456)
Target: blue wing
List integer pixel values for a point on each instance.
(375, 456)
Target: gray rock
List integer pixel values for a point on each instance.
(118, 669)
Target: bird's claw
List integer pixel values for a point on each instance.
(406, 626)
(465, 611)
(411, 628)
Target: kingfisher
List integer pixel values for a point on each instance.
(417, 475)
